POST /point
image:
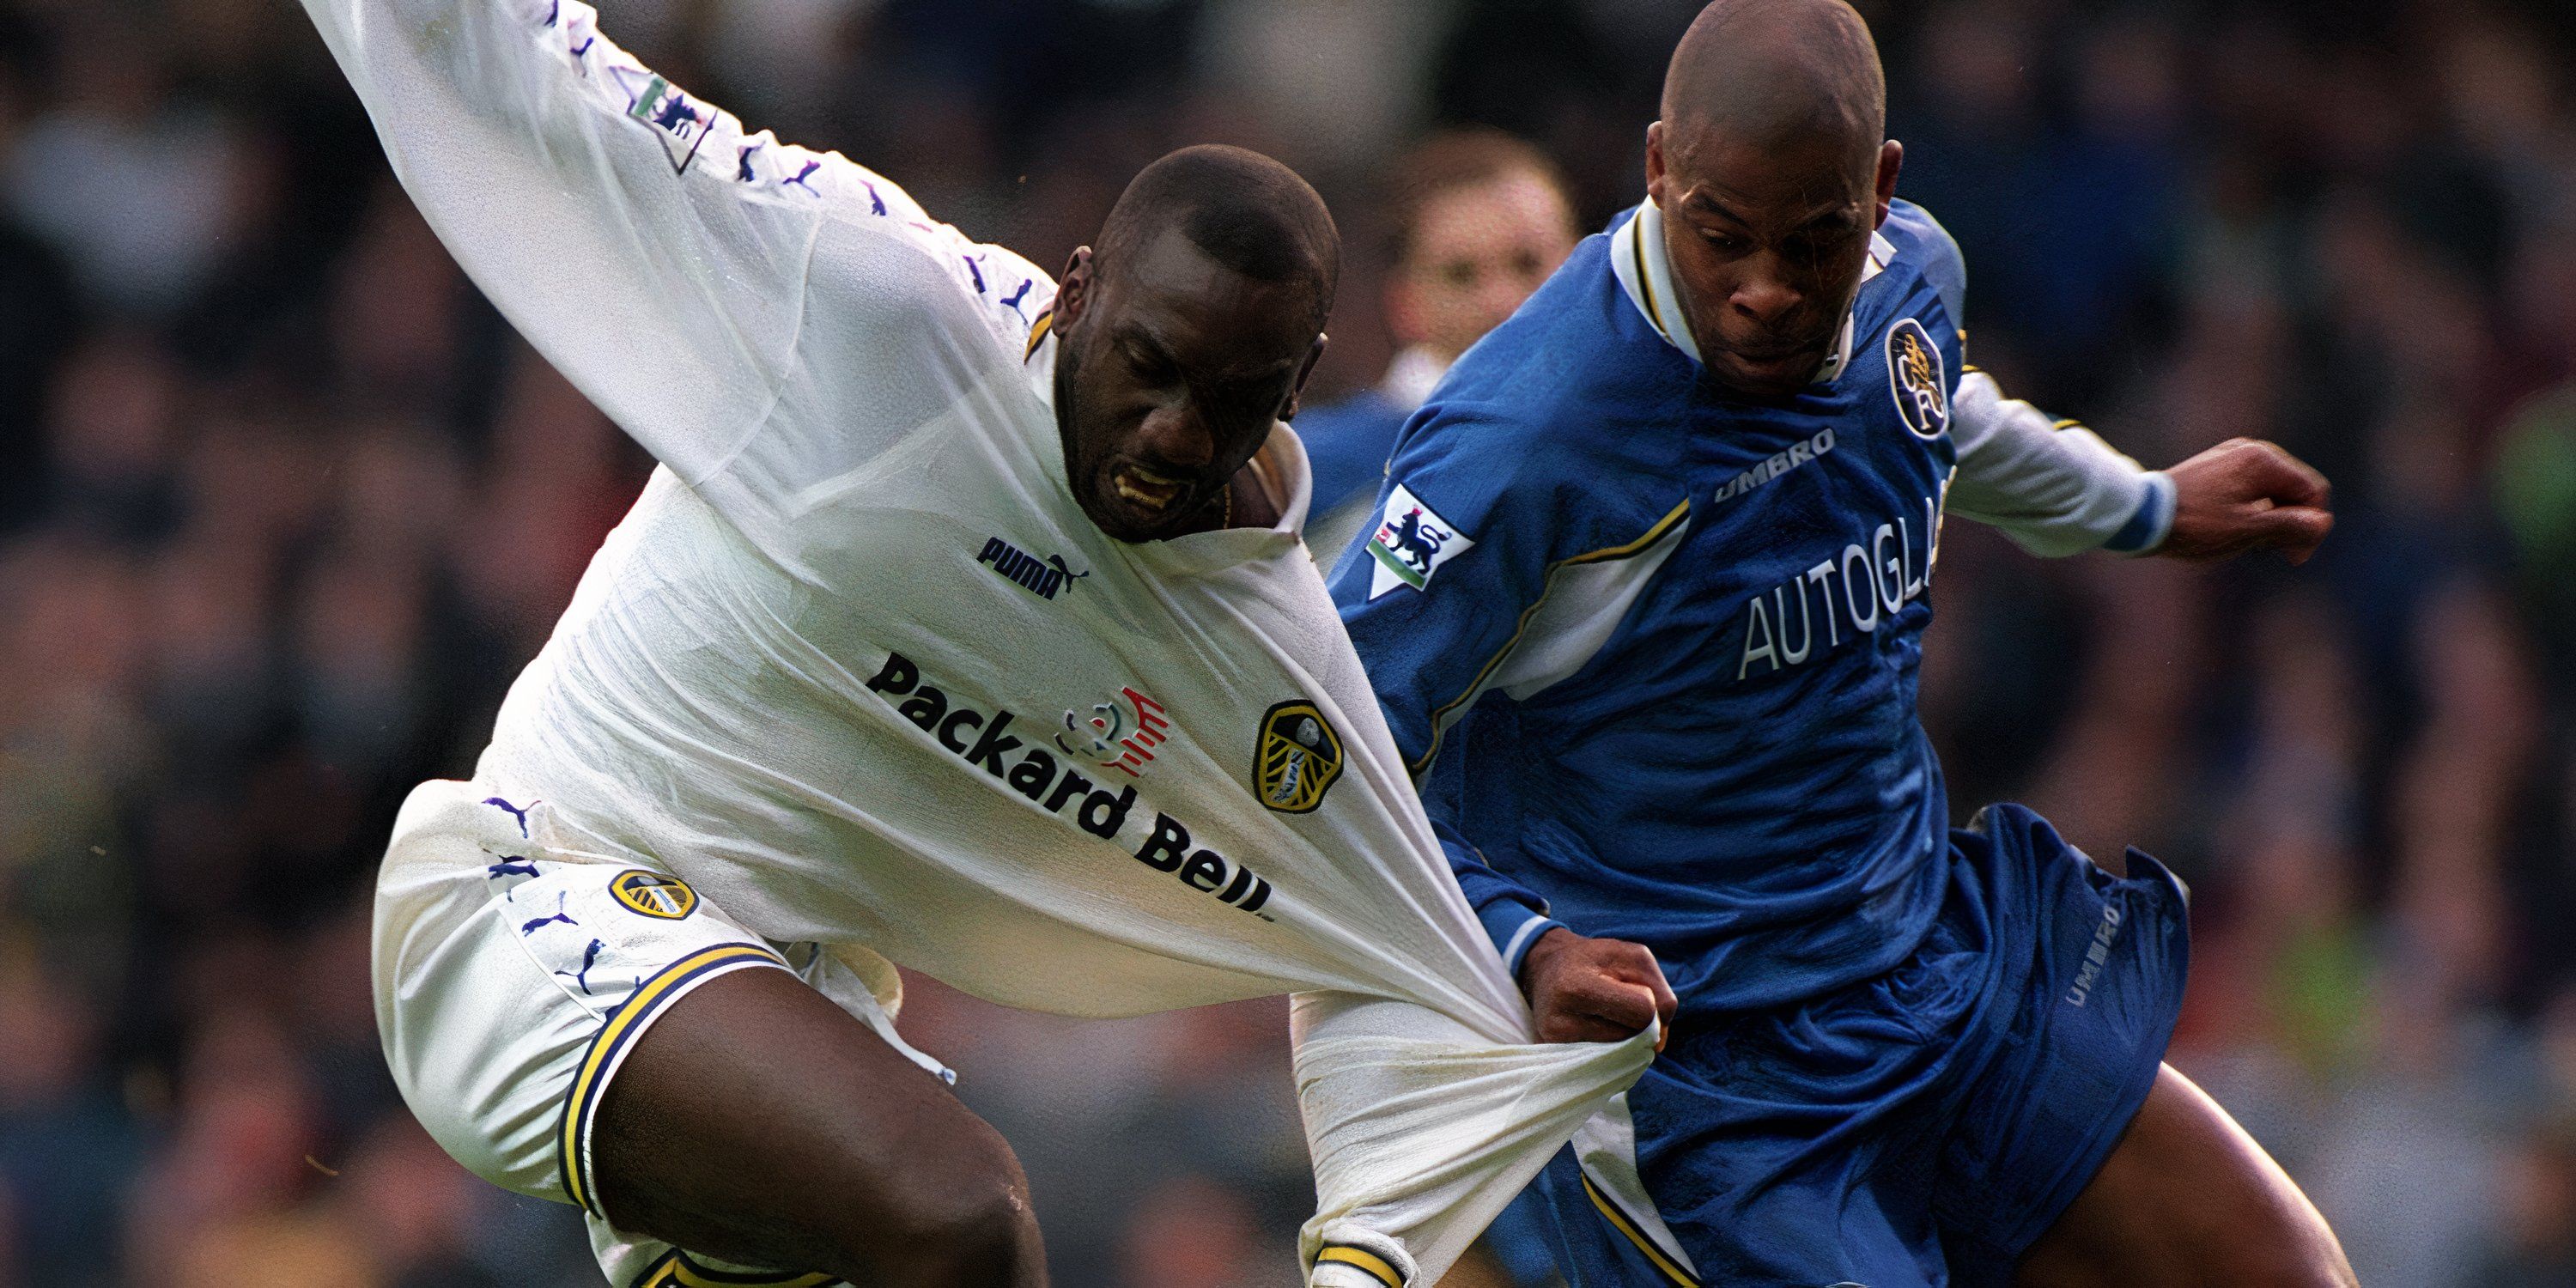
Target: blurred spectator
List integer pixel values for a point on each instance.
(1478, 219)
(135, 182)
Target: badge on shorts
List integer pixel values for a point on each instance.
(654, 895)
(1298, 757)
(1914, 376)
(1412, 542)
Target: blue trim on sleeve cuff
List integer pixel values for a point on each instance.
(2146, 529)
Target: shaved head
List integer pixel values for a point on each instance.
(1246, 211)
(1769, 169)
(1770, 71)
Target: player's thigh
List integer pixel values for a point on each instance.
(2187, 1198)
(758, 1121)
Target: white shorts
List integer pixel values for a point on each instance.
(513, 978)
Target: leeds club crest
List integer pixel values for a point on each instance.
(1297, 757)
(654, 895)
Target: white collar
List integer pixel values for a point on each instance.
(1411, 377)
(1638, 259)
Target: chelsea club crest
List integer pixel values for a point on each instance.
(1914, 375)
(1297, 757)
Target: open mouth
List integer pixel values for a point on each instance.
(1146, 490)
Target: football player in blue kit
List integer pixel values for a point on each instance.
(1644, 605)
(1480, 220)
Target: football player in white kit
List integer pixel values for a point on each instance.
(800, 721)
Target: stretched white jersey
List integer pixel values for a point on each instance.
(858, 666)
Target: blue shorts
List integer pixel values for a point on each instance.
(1921, 1128)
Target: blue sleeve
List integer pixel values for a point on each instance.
(1434, 597)
(1347, 445)
(1513, 915)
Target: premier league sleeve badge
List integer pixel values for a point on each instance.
(1412, 542)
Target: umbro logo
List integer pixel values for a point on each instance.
(1040, 577)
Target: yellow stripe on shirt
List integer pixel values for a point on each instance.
(1654, 534)
(1646, 283)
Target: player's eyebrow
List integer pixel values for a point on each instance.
(1141, 341)
(1700, 201)
(1834, 213)
(1842, 214)
(1141, 338)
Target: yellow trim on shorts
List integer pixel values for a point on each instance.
(623, 1024)
(1619, 1221)
(1375, 1265)
(677, 1270)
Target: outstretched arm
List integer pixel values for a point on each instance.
(670, 263)
(2056, 488)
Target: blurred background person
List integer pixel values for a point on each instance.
(1479, 220)
(284, 506)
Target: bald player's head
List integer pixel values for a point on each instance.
(1184, 337)
(1771, 168)
(1775, 70)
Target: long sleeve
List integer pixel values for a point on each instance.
(1429, 656)
(2054, 487)
(733, 302)
(1513, 915)
(1447, 595)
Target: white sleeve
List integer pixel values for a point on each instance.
(675, 268)
(2054, 487)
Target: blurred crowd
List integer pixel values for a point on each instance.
(284, 505)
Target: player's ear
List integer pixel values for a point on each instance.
(1298, 390)
(1891, 158)
(1655, 167)
(1073, 290)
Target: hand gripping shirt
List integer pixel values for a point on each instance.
(858, 666)
(1653, 647)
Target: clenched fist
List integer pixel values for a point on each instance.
(2246, 495)
(1593, 990)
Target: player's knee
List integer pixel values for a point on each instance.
(989, 1240)
(968, 1225)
